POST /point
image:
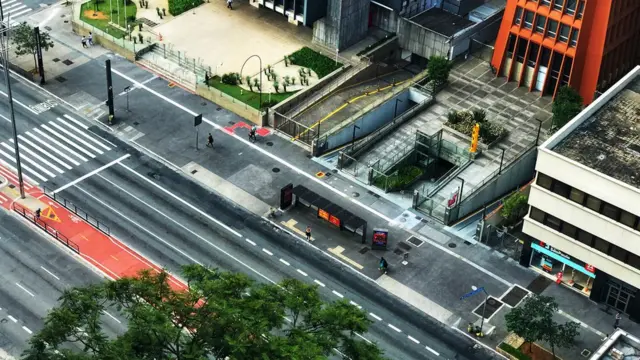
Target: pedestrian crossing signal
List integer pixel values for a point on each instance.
(475, 134)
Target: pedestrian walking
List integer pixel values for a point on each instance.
(38, 214)
(84, 42)
(618, 318)
(229, 2)
(307, 232)
(90, 39)
(210, 141)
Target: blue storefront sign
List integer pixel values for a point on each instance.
(563, 259)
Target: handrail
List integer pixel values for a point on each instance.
(78, 211)
(29, 215)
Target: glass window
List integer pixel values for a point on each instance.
(570, 8)
(593, 203)
(569, 230)
(633, 260)
(601, 245)
(537, 215)
(610, 211)
(561, 189)
(553, 222)
(638, 225)
(580, 9)
(619, 253)
(544, 181)
(574, 38)
(540, 21)
(585, 238)
(552, 28)
(627, 218)
(528, 19)
(546, 2)
(557, 4)
(564, 33)
(577, 196)
(518, 16)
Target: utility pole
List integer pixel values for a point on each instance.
(4, 40)
(109, 91)
(36, 31)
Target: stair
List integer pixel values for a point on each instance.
(169, 70)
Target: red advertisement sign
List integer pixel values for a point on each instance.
(590, 268)
(334, 220)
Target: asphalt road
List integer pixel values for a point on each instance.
(172, 221)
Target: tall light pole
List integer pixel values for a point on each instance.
(259, 74)
(484, 306)
(4, 41)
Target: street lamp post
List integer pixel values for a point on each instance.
(126, 90)
(259, 74)
(484, 306)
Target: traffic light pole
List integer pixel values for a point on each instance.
(109, 91)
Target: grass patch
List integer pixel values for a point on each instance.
(104, 14)
(315, 61)
(400, 179)
(248, 97)
(513, 351)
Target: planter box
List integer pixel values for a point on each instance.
(481, 145)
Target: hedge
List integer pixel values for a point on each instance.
(403, 177)
(464, 121)
(177, 7)
(315, 61)
(513, 351)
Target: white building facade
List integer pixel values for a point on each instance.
(584, 218)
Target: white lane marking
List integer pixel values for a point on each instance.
(364, 338)
(302, 272)
(24, 149)
(355, 304)
(319, 283)
(15, 177)
(20, 13)
(24, 166)
(68, 141)
(135, 87)
(284, 262)
(84, 134)
(77, 122)
(111, 316)
(90, 174)
(49, 272)
(24, 158)
(251, 242)
(27, 330)
(433, 351)
(3, 198)
(24, 140)
(337, 294)
(267, 251)
(375, 316)
(12, 318)
(56, 142)
(394, 328)
(20, 103)
(183, 201)
(25, 290)
(78, 139)
(45, 144)
(413, 339)
(173, 246)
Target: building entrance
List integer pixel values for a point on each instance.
(619, 296)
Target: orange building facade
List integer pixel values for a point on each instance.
(587, 44)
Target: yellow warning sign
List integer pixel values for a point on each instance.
(50, 214)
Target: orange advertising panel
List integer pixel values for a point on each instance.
(334, 220)
(323, 214)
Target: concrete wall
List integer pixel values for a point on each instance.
(314, 10)
(346, 23)
(388, 51)
(384, 18)
(484, 32)
(369, 73)
(104, 41)
(231, 104)
(421, 41)
(516, 174)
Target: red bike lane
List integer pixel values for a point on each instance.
(110, 256)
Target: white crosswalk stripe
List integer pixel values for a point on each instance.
(53, 148)
(14, 9)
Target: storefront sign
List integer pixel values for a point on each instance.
(590, 268)
(563, 258)
(551, 248)
(323, 214)
(334, 220)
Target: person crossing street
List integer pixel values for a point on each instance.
(210, 141)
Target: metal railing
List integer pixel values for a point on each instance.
(296, 130)
(123, 42)
(76, 210)
(29, 215)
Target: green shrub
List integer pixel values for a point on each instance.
(514, 208)
(315, 61)
(400, 179)
(464, 121)
(230, 79)
(513, 351)
(177, 7)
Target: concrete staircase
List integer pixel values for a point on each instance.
(169, 67)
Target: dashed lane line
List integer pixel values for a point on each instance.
(413, 339)
(375, 316)
(319, 283)
(25, 290)
(302, 272)
(337, 294)
(267, 252)
(285, 262)
(394, 328)
(251, 242)
(27, 330)
(12, 318)
(433, 351)
(50, 273)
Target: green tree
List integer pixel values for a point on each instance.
(438, 69)
(25, 41)
(221, 315)
(514, 207)
(567, 104)
(533, 321)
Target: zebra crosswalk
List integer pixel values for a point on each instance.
(52, 148)
(14, 9)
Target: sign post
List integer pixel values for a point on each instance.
(197, 121)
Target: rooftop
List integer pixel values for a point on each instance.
(441, 21)
(608, 140)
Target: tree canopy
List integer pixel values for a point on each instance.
(222, 315)
(24, 39)
(438, 69)
(567, 104)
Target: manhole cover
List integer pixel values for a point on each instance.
(66, 21)
(452, 245)
(61, 79)
(334, 171)
(56, 60)
(269, 143)
(355, 194)
(418, 218)
(276, 170)
(329, 174)
(67, 62)
(415, 241)
(398, 252)
(230, 122)
(194, 171)
(363, 250)
(405, 215)
(11, 186)
(584, 352)
(404, 246)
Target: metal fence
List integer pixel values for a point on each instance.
(123, 42)
(76, 210)
(296, 130)
(29, 215)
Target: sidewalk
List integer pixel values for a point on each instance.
(100, 250)
(440, 266)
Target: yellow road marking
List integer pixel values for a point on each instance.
(114, 258)
(291, 224)
(84, 237)
(337, 251)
